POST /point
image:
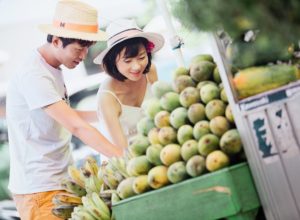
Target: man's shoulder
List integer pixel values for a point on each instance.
(33, 67)
(30, 63)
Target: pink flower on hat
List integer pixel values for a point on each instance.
(150, 46)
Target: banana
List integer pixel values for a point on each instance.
(84, 173)
(129, 154)
(90, 207)
(97, 213)
(100, 204)
(107, 201)
(98, 183)
(91, 165)
(119, 176)
(109, 169)
(101, 175)
(74, 173)
(101, 171)
(81, 213)
(107, 193)
(110, 181)
(66, 198)
(104, 187)
(63, 211)
(93, 184)
(113, 161)
(110, 176)
(73, 187)
(90, 185)
(115, 198)
(57, 202)
(120, 165)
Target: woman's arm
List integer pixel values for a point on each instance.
(152, 75)
(109, 110)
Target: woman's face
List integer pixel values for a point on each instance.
(132, 67)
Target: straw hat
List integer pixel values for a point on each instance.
(124, 29)
(74, 19)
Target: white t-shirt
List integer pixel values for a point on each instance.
(39, 146)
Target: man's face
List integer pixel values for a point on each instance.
(71, 55)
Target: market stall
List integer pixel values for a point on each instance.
(223, 118)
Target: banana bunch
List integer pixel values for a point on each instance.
(64, 204)
(75, 175)
(119, 163)
(72, 187)
(91, 165)
(81, 213)
(96, 206)
(89, 175)
(66, 199)
(91, 181)
(63, 211)
(107, 196)
(111, 176)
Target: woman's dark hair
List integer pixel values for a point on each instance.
(67, 41)
(132, 49)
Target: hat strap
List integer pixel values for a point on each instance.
(76, 27)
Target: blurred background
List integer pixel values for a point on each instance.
(258, 33)
(19, 35)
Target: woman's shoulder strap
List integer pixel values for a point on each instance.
(111, 93)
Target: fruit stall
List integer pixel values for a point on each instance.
(186, 162)
(219, 141)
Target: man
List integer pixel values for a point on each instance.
(40, 121)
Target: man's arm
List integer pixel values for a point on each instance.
(71, 120)
(88, 116)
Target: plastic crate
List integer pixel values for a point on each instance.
(228, 193)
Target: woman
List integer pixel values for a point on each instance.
(127, 60)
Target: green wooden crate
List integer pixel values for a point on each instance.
(228, 193)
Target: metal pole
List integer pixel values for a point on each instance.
(174, 39)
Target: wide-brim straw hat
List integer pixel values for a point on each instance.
(124, 29)
(74, 19)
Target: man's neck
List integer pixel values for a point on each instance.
(47, 53)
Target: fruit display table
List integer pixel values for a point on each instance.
(228, 193)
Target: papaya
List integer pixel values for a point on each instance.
(254, 80)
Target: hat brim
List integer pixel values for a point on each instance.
(155, 38)
(60, 32)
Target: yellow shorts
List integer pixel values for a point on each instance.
(35, 206)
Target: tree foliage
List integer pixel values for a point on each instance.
(275, 22)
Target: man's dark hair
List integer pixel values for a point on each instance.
(132, 49)
(67, 41)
